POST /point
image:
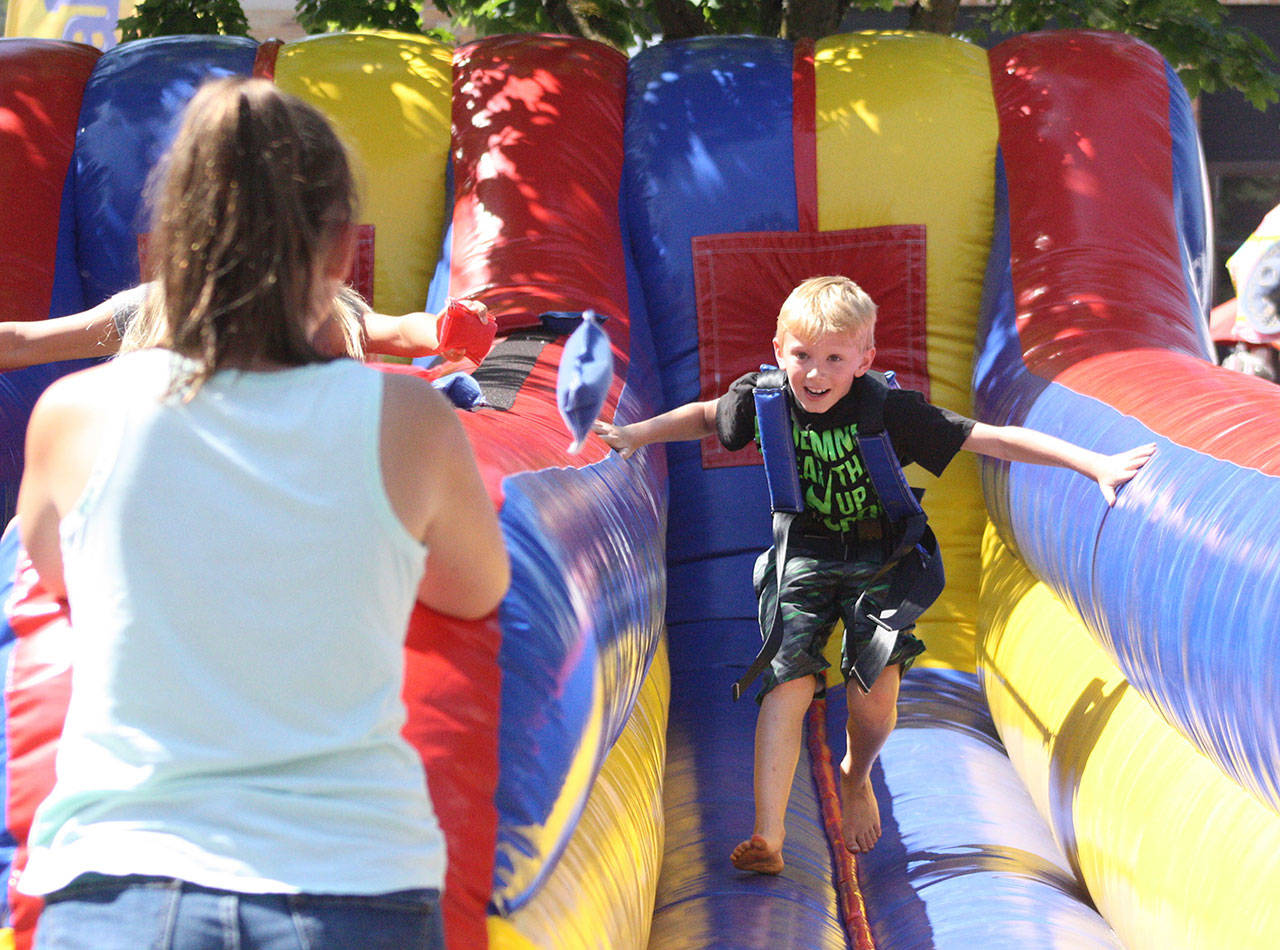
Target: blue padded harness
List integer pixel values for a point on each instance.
(914, 563)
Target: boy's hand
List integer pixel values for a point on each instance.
(616, 437)
(1117, 469)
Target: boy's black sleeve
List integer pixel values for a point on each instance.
(736, 413)
(922, 432)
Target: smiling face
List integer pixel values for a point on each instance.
(821, 370)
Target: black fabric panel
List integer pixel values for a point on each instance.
(508, 365)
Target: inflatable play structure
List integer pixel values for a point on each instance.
(1088, 754)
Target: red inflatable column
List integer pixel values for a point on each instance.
(41, 85)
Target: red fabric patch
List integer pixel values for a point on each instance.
(361, 277)
(741, 281)
(264, 62)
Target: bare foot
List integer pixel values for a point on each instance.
(757, 855)
(861, 820)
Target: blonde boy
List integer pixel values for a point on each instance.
(825, 344)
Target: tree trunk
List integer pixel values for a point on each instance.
(771, 17)
(933, 16)
(678, 19)
(561, 14)
(814, 19)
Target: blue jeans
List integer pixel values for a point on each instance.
(148, 913)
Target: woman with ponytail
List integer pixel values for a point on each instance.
(241, 522)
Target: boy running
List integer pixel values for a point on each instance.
(825, 344)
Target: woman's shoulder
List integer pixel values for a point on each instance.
(421, 444)
(414, 413)
(73, 409)
(96, 382)
(410, 390)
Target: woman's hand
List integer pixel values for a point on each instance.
(465, 328)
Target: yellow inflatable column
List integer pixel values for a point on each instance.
(906, 134)
(389, 97)
(1174, 853)
(601, 892)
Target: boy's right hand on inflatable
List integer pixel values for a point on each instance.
(466, 329)
(615, 437)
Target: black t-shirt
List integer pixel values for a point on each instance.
(837, 488)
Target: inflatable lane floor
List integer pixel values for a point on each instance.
(752, 164)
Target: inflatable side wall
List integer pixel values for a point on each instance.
(1128, 653)
(41, 86)
(1032, 225)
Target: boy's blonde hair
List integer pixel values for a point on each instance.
(822, 305)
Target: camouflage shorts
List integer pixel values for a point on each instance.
(816, 592)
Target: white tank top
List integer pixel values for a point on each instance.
(239, 590)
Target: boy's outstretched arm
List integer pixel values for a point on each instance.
(693, 420)
(1018, 444)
